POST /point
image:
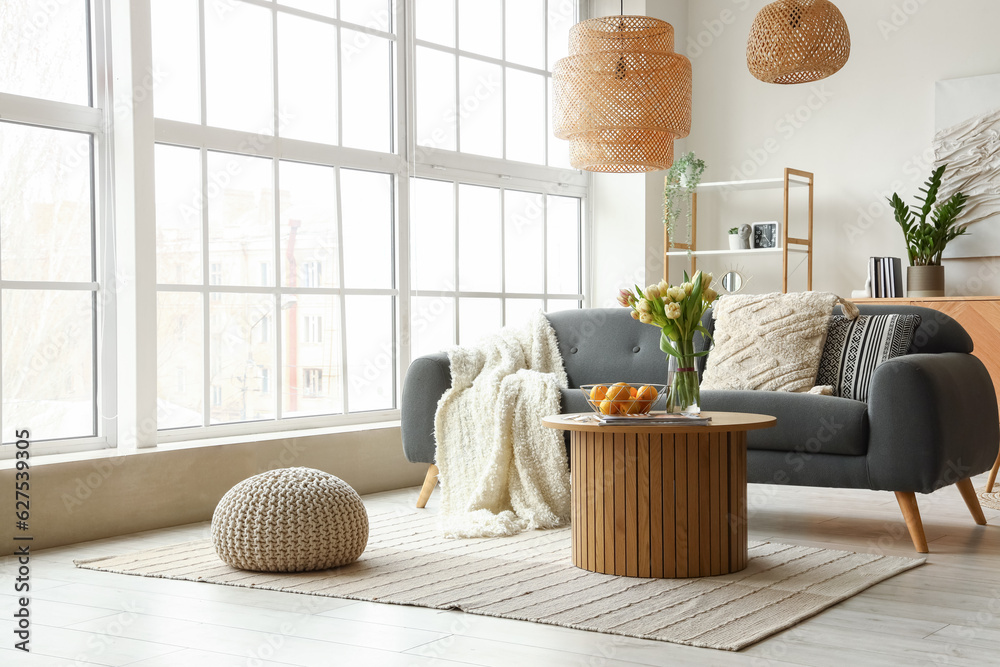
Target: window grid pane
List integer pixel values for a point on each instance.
(533, 254)
(244, 329)
(500, 111)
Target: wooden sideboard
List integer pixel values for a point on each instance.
(980, 316)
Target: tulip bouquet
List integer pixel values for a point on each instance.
(677, 310)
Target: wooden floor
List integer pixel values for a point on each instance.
(944, 613)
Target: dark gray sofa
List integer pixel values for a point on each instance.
(931, 419)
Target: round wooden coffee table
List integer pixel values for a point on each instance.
(660, 501)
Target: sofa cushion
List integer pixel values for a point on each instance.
(769, 342)
(807, 423)
(855, 347)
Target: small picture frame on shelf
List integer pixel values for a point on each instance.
(765, 234)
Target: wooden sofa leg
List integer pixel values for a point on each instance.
(993, 475)
(908, 504)
(971, 499)
(430, 481)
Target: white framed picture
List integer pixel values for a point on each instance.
(765, 234)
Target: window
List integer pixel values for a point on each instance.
(484, 255)
(333, 196)
(327, 200)
(52, 223)
(311, 274)
(483, 82)
(312, 381)
(314, 329)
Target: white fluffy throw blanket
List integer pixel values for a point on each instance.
(500, 470)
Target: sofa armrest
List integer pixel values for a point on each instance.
(426, 380)
(933, 420)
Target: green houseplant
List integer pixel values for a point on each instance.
(926, 239)
(681, 180)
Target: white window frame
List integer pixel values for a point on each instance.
(338, 157)
(461, 168)
(407, 161)
(92, 121)
(126, 288)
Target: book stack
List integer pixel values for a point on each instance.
(886, 277)
(655, 419)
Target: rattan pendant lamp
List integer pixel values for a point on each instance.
(798, 41)
(622, 96)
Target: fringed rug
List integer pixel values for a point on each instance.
(529, 577)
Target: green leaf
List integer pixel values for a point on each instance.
(926, 238)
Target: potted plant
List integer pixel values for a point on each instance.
(680, 183)
(926, 239)
(735, 242)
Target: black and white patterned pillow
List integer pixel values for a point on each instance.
(855, 347)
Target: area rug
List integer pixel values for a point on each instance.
(530, 577)
(991, 499)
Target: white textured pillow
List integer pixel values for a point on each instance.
(769, 342)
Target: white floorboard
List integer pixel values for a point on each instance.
(945, 613)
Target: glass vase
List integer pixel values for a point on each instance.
(685, 393)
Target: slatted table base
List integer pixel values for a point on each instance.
(659, 504)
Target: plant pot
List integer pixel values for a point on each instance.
(735, 242)
(924, 281)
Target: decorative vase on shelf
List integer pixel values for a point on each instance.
(924, 281)
(735, 242)
(677, 311)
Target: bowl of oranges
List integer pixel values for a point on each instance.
(622, 398)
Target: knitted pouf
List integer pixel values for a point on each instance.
(290, 520)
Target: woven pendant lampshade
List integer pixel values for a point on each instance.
(797, 41)
(622, 95)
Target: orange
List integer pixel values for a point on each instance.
(607, 407)
(633, 408)
(632, 392)
(646, 396)
(598, 392)
(618, 392)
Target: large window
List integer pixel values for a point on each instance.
(495, 228)
(268, 80)
(338, 187)
(51, 273)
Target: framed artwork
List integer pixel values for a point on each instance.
(765, 234)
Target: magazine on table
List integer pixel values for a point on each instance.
(655, 419)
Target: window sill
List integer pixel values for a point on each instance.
(41, 460)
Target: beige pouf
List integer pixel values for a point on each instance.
(290, 520)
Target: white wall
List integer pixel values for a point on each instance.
(864, 132)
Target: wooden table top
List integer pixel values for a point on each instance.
(721, 421)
